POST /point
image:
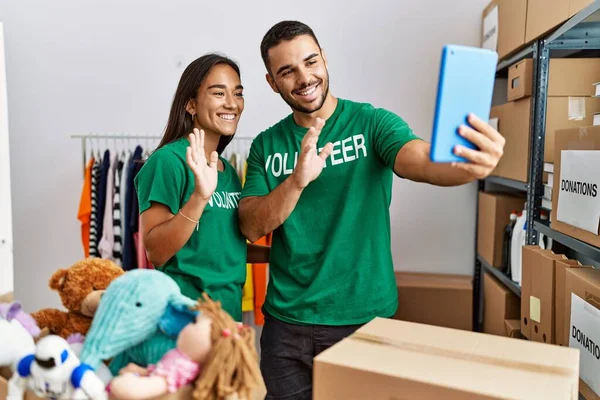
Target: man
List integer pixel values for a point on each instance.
(324, 188)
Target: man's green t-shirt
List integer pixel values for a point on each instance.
(331, 260)
(214, 258)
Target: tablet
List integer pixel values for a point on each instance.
(466, 85)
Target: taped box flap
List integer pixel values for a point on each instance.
(485, 365)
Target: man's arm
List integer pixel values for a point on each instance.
(260, 215)
(413, 162)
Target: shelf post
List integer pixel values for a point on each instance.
(541, 66)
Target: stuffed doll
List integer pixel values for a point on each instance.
(18, 331)
(53, 371)
(214, 353)
(80, 288)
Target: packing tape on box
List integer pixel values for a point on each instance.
(482, 359)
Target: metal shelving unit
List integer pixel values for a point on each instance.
(580, 247)
(509, 183)
(498, 274)
(575, 38)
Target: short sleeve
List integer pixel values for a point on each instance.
(161, 180)
(256, 178)
(391, 133)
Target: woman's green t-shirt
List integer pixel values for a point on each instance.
(214, 258)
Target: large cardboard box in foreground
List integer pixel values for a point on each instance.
(387, 359)
(435, 299)
(585, 138)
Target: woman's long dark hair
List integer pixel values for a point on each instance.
(180, 121)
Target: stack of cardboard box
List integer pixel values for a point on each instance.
(509, 25)
(570, 104)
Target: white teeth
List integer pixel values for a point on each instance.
(309, 91)
(228, 117)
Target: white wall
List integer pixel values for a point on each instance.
(6, 255)
(112, 66)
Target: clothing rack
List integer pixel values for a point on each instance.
(84, 137)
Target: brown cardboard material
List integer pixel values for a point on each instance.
(572, 76)
(512, 16)
(435, 299)
(557, 118)
(543, 16)
(559, 300)
(543, 290)
(586, 138)
(585, 283)
(577, 5)
(567, 77)
(513, 328)
(520, 80)
(499, 305)
(528, 260)
(387, 359)
(513, 124)
(6, 298)
(492, 218)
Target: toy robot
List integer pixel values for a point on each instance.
(54, 372)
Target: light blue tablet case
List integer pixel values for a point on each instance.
(466, 85)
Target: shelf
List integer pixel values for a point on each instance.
(522, 186)
(513, 286)
(524, 53)
(581, 31)
(575, 244)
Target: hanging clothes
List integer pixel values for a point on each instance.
(117, 239)
(129, 250)
(105, 247)
(85, 208)
(94, 210)
(104, 167)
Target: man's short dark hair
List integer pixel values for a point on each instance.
(284, 30)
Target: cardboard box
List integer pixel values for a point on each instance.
(387, 359)
(577, 5)
(499, 305)
(559, 300)
(513, 328)
(514, 120)
(513, 123)
(520, 80)
(507, 20)
(528, 260)
(566, 77)
(492, 218)
(435, 299)
(586, 138)
(542, 293)
(543, 16)
(585, 283)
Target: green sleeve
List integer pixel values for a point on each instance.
(391, 133)
(256, 178)
(161, 180)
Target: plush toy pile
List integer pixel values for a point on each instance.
(154, 340)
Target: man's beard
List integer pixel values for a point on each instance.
(298, 107)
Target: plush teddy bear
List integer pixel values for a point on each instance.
(80, 288)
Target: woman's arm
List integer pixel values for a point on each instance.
(164, 233)
(258, 253)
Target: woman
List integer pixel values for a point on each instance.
(188, 205)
